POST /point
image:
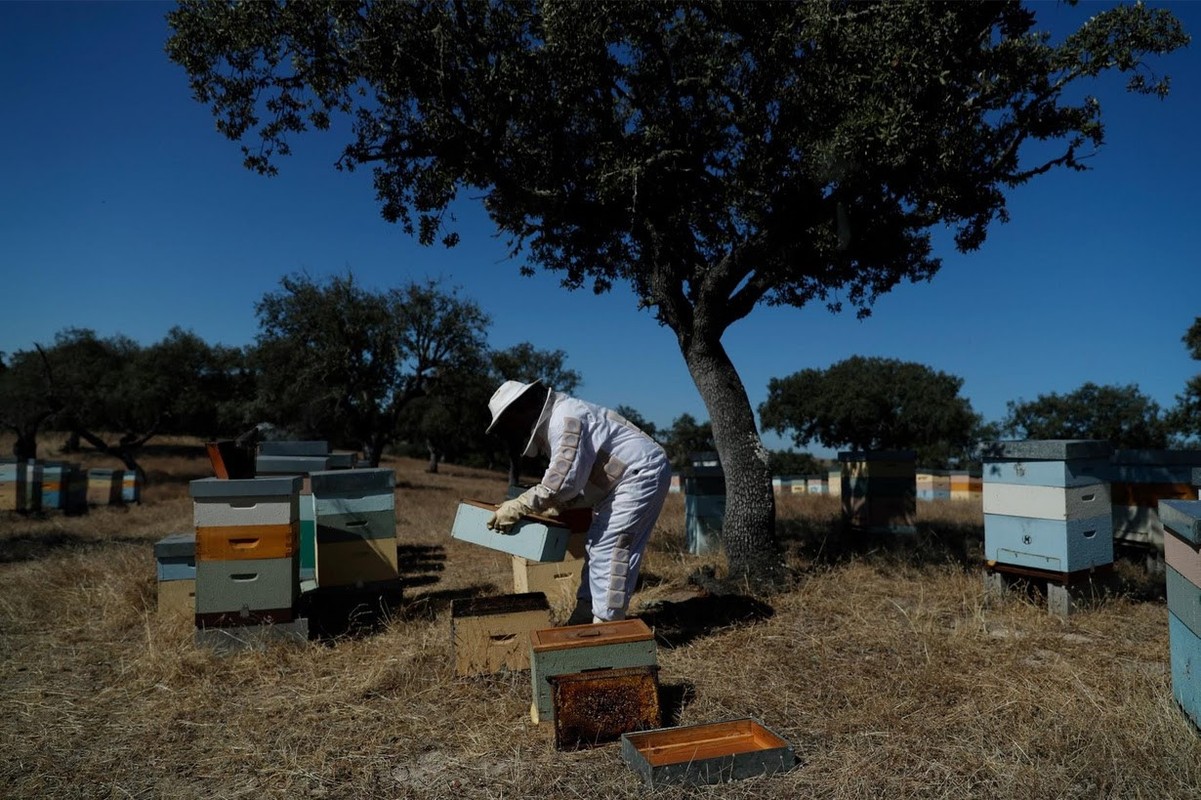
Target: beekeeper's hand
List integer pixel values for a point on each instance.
(507, 514)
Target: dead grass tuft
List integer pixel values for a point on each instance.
(884, 668)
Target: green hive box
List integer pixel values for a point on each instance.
(579, 648)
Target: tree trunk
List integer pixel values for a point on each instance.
(375, 449)
(26, 445)
(749, 531)
(435, 457)
(72, 443)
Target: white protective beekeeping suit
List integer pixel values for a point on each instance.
(600, 459)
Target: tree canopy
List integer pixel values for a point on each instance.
(714, 156)
(874, 404)
(1119, 414)
(1186, 416)
(338, 360)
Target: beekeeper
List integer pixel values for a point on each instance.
(599, 460)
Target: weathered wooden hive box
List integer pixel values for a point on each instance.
(879, 490)
(104, 487)
(355, 512)
(533, 537)
(247, 550)
(12, 485)
(1138, 480)
(131, 487)
(578, 648)
(289, 465)
(1182, 554)
(598, 706)
(491, 634)
(175, 566)
(1046, 505)
(703, 754)
(558, 580)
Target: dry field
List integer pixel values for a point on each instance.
(885, 669)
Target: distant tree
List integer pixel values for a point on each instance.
(526, 363)
(873, 404)
(790, 462)
(26, 401)
(341, 362)
(714, 156)
(685, 437)
(644, 424)
(1185, 417)
(1119, 414)
(449, 422)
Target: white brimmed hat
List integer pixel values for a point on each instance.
(504, 397)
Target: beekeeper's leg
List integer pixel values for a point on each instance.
(618, 536)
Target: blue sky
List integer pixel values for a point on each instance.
(123, 210)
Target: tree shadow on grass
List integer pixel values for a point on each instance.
(676, 623)
(35, 546)
(673, 699)
(829, 542)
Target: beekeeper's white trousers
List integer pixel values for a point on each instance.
(621, 527)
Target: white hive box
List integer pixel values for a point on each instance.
(535, 538)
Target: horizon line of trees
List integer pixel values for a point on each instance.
(408, 370)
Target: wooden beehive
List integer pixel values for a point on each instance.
(598, 706)
(533, 537)
(702, 754)
(491, 634)
(578, 648)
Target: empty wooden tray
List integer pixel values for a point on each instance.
(711, 753)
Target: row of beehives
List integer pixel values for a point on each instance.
(33, 486)
(594, 683)
(1182, 554)
(259, 542)
(879, 489)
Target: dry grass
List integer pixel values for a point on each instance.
(884, 668)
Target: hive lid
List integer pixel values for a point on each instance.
(1182, 517)
(285, 485)
(376, 481)
(602, 633)
(1047, 450)
(177, 545)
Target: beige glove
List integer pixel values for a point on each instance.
(508, 514)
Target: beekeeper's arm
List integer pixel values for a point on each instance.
(564, 480)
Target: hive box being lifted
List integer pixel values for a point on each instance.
(558, 580)
(598, 706)
(493, 633)
(533, 537)
(577, 648)
(702, 754)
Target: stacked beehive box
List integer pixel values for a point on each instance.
(12, 485)
(76, 485)
(55, 475)
(924, 481)
(175, 566)
(580, 648)
(815, 484)
(879, 491)
(355, 511)
(308, 536)
(491, 634)
(131, 486)
(965, 486)
(1182, 553)
(247, 550)
(33, 486)
(834, 482)
(1138, 480)
(104, 487)
(558, 580)
(1047, 514)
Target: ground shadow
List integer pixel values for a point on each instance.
(428, 605)
(673, 699)
(419, 564)
(349, 611)
(828, 542)
(677, 623)
(35, 546)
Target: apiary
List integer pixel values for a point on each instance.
(491, 634)
(598, 706)
(578, 648)
(533, 537)
(715, 752)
